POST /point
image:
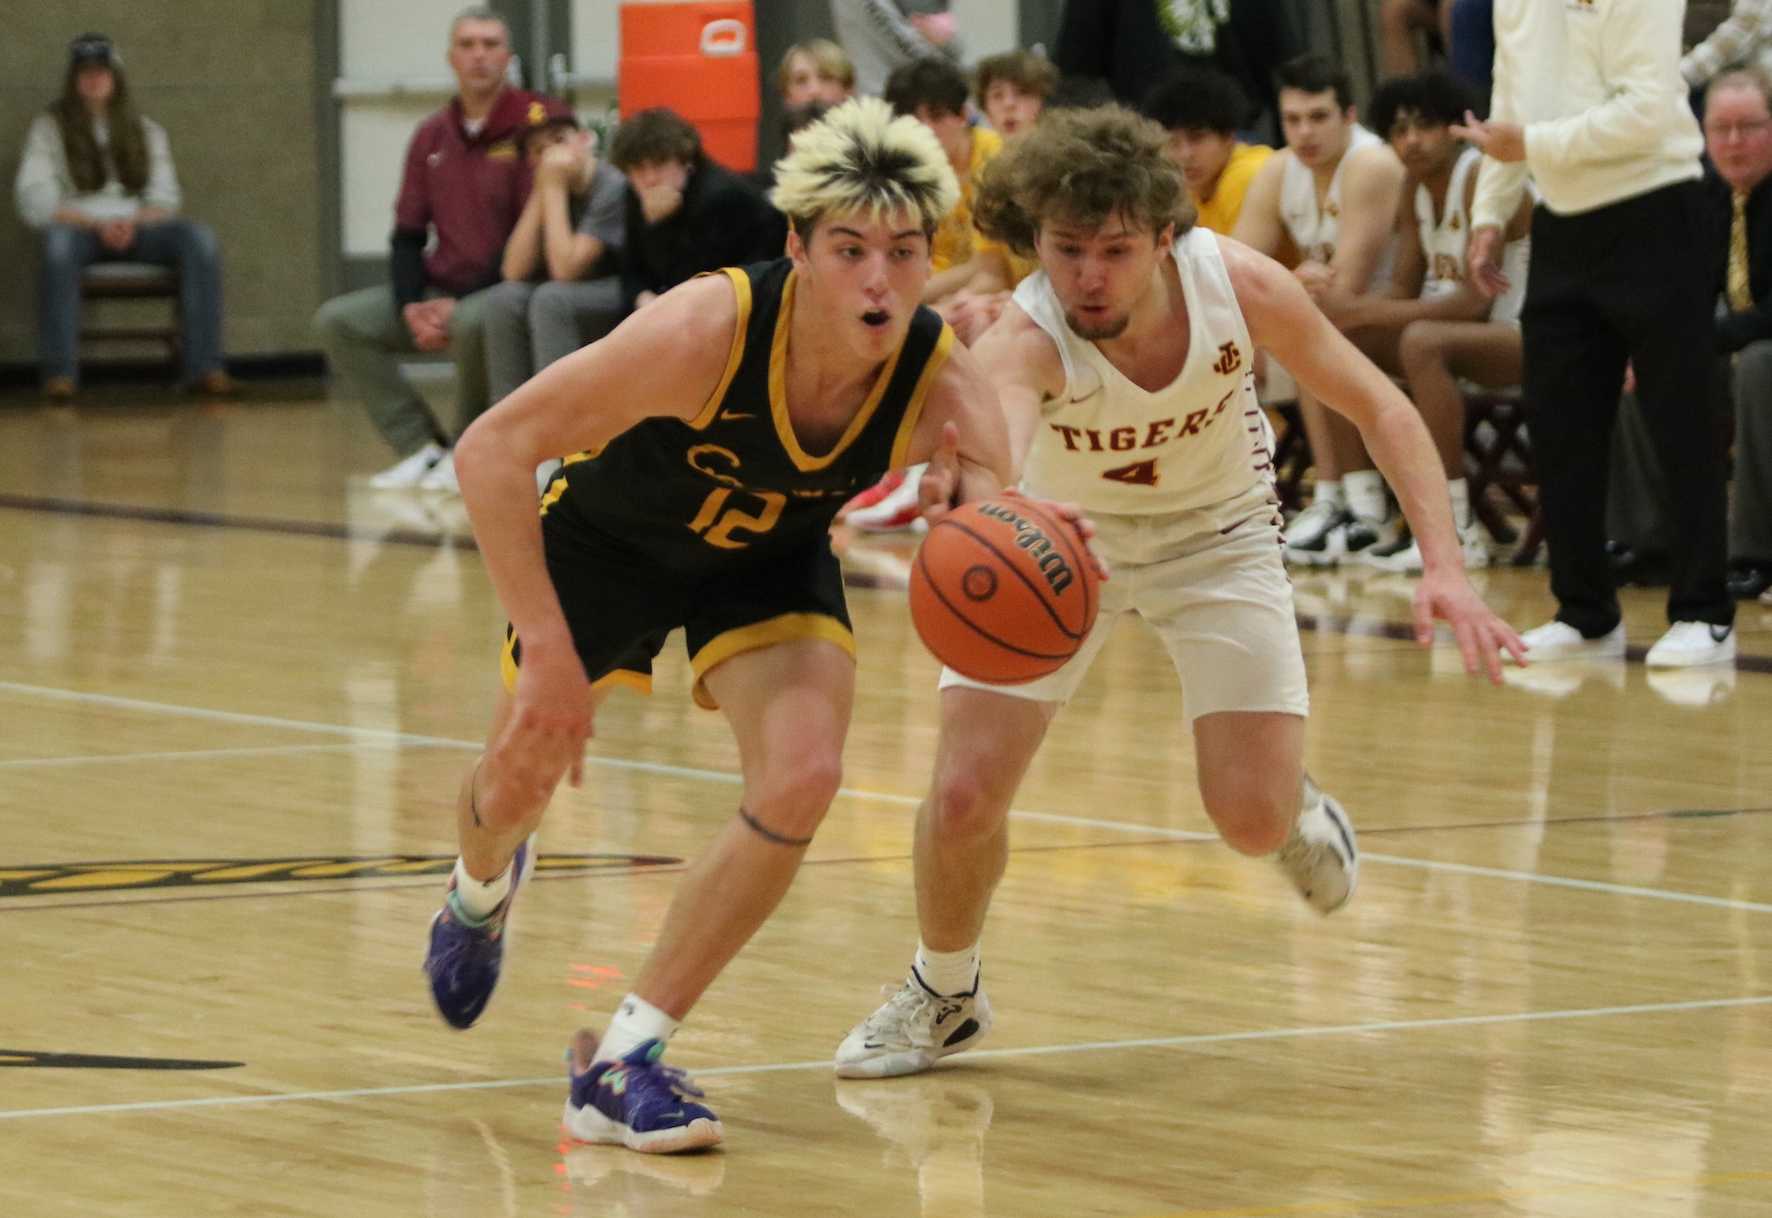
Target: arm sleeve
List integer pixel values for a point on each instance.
(1500, 185)
(38, 187)
(162, 189)
(412, 209)
(407, 263)
(1630, 121)
(1730, 43)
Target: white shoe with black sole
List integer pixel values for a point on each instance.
(1322, 857)
(912, 1030)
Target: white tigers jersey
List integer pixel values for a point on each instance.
(1443, 243)
(1314, 229)
(1111, 446)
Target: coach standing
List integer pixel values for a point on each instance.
(1589, 98)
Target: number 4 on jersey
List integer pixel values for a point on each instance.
(1139, 473)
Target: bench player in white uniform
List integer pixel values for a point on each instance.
(1124, 368)
(1333, 191)
(1427, 324)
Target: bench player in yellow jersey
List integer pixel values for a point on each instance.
(723, 426)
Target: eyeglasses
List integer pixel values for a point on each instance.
(1736, 131)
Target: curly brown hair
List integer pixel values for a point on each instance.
(1082, 167)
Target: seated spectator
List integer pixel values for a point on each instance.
(562, 286)
(818, 70)
(1013, 88)
(1738, 181)
(813, 77)
(463, 185)
(1203, 109)
(1429, 324)
(934, 92)
(882, 36)
(1744, 37)
(97, 180)
(685, 214)
(1333, 193)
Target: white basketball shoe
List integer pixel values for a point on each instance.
(913, 1029)
(1321, 856)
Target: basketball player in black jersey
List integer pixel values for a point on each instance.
(720, 429)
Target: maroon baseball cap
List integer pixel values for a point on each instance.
(546, 112)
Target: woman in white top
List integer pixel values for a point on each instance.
(97, 180)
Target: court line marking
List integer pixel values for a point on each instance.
(1097, 1046)
(1654, 1185)
(269, 750)
(394, 737)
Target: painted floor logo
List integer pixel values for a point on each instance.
(52, 879)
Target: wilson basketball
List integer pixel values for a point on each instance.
(1002, 590)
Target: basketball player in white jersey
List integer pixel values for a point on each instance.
(1428, 323)
(1333, 191)
(1123, 366)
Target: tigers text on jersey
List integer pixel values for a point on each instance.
(1444, 240)
(734, 482)
(1111, 446)
(1315, 230)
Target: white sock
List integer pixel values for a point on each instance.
(1461, 502)
(948, 973)
(478, 900)
(1365, 494)
(635, 1022)
(1329, 494)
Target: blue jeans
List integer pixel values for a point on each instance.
(184, 244)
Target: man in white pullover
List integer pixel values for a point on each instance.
(1589, 98)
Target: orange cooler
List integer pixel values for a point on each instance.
(701, 61)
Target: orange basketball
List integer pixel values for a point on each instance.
(1002, 590)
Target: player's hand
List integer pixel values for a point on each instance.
(550, 722)
(1481, 635)
(1073, 515)
(938, 490)
(1482, 261)
(1503, 141)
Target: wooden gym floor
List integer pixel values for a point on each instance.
(238, 690)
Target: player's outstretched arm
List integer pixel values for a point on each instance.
(1283, 320)
(963, 437)
(667, 360)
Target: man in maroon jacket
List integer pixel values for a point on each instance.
(464, 184)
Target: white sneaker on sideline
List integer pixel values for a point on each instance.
(441, 477)
(1317, 536)
(1404, 556)
(1561, 641)
(1688, 644)
(1321, 856)
(408, 472)
(912, 1030)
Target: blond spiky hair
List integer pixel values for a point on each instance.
(861, 158)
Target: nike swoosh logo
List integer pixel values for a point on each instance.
(733, 416)
(868, 1044)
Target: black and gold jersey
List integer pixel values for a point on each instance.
(734, 482)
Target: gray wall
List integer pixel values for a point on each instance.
(233, 83)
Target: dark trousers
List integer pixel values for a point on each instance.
(1628, 281)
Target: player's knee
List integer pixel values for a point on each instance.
(1254, 817)
(964, 807)
(1418, 344)
(793, 798)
